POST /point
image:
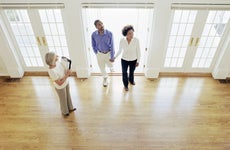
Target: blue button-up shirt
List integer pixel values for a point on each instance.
(103, 43)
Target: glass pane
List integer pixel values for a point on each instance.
(27, 62)
(29, 29)
(59, 51)
(179, 41)
(50, 15)
(192, 16)
(206, 29)
(172, 41)
(52, 48)
(56, 41)
(46, 28)
(53, 29)
(22, 29)
(208, 63)
(201, 63)
(226, 17)
(24, 51)
(195, 62)
(43, 17)
(180, 62)
(199, 52)
(50, 41)
(205, 52)
(185, 41)
(167, 62)
(188, 30)
(176, 52)
(24, 16)
(19, 40)
(216, 42)
(169, 52)
(185, 16)
(58, 16)
(173, 62)
(209, 42)
(203, 41)
(182, 29)
(60, 29)
(36, 51)
(174, 29)
(182, 52)
(15, 29)
(32, 41)
(63, 41)
(211, 17)
(65, 51)
(24, 35)
(177, 16)
(213, 30)
(39, 61)
(212, 52)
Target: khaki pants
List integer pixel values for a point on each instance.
(103, 60)
(65, 99)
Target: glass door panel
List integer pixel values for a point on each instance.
(210, 38)
(22, 29)
(179, 38)
(115, 19)
(53, 28)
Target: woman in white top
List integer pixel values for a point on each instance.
(59, 75)
(130, 56)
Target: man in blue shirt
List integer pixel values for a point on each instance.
(103, 47)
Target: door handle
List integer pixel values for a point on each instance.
(44, 41)
(38, 41)
(191, 41)
(197, 41)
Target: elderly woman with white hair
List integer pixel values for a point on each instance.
(59, 75)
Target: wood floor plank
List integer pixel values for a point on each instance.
(187, 113)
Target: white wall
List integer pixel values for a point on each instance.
(222, 67)
(9, 55)
(3, 71)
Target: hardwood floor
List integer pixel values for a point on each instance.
(170, 113)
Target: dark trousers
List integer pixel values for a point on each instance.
(132, 65)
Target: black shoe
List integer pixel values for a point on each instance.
(72, 110)
(66, 114)
(126, 89)
(133, 83)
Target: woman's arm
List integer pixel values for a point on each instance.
(62, 80)
(120, 49)
(138, 53)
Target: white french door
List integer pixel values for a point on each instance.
(114, 19)
(35, 32)
(194, 40)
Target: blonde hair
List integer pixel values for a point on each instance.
(50, 58)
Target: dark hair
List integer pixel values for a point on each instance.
(126, 29)
(96, 21)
